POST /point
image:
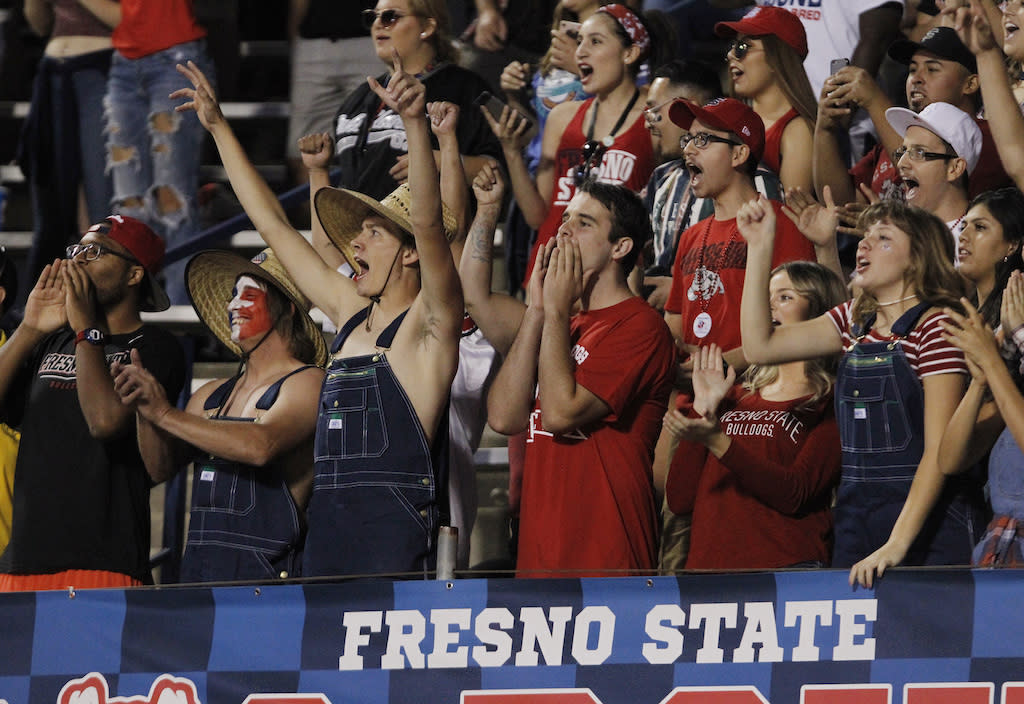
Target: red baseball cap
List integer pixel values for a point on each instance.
(148, 249)
(769, 19)
(727, 115)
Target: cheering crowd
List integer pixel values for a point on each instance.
(783, 328)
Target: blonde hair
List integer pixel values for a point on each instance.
(823, 290)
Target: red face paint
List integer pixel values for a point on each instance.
(249, 311)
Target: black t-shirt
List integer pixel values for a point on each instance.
(366, 151)
(330, 19)
(82, 503)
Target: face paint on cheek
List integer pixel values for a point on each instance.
(886, 247)
(249, 311)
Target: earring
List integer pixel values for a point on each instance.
(423, 35)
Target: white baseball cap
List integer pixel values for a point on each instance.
(947, 121)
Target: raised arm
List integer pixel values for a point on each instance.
(44, 313)
(879, 27)
(444, 118)
(1003, 113)
(440, 291)
(39, 15)
(332, 293)
(316, 151)
(104, 414)
(977, 421)
(532, 193)
(762, 342)
(497, 314)
(511, 398)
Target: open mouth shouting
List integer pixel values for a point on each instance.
(586, 72)
(696, 173)
(363, 268)
(911, 188)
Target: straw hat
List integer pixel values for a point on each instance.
(341, 212)
(211, 277)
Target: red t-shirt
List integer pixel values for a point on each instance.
(926, 349)
(149, 26)
(877, 170)
(628, 162)
(588, 499)
(767, 502)
(718, 246)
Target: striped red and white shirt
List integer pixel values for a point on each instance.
(924, 347)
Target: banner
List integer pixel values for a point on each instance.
(921, 637)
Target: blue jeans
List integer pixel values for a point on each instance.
(63, 149)
(154, 156)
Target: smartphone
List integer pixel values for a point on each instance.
(495, 105)
(570, 28)
(838, 64)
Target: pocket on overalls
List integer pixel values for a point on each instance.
(218, 491)
(871, 417)
(351, 423)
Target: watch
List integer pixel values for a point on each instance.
(94, 336)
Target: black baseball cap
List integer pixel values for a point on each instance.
(940, 41)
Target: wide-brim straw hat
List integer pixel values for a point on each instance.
(341, 212)
(211, 277)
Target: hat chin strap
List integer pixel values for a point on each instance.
(376, 297)
(243, 360)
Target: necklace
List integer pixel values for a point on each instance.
(702, 323)
(609, 139)
(899, 300)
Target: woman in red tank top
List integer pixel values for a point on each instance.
(766, 67)
(602, 138)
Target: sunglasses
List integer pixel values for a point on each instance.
(702, 139)
(388, 18)
(739, 48)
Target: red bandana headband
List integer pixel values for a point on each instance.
(628, 20)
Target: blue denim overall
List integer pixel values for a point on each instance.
(1003, 542)
(880, 411)
(244, 523)
(378, 487)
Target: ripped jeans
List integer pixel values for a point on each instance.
(153, 152)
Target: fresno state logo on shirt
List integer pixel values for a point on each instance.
(705, 284)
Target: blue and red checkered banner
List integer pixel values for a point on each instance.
(922, 637)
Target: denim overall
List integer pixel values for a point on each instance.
(244, 523)
(379, 490)
(880, 411)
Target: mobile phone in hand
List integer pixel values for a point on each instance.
(495, 105)
(837, 65)
(570, 28)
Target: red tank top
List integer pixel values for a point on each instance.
(773, 141)
(628, 162)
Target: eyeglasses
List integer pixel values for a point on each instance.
(388, 18)
(739, 48)
(920, 154)
(92, 251)
(593, 154)
(702, 139)
(653, 112)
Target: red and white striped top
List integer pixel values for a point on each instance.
(924, 347)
